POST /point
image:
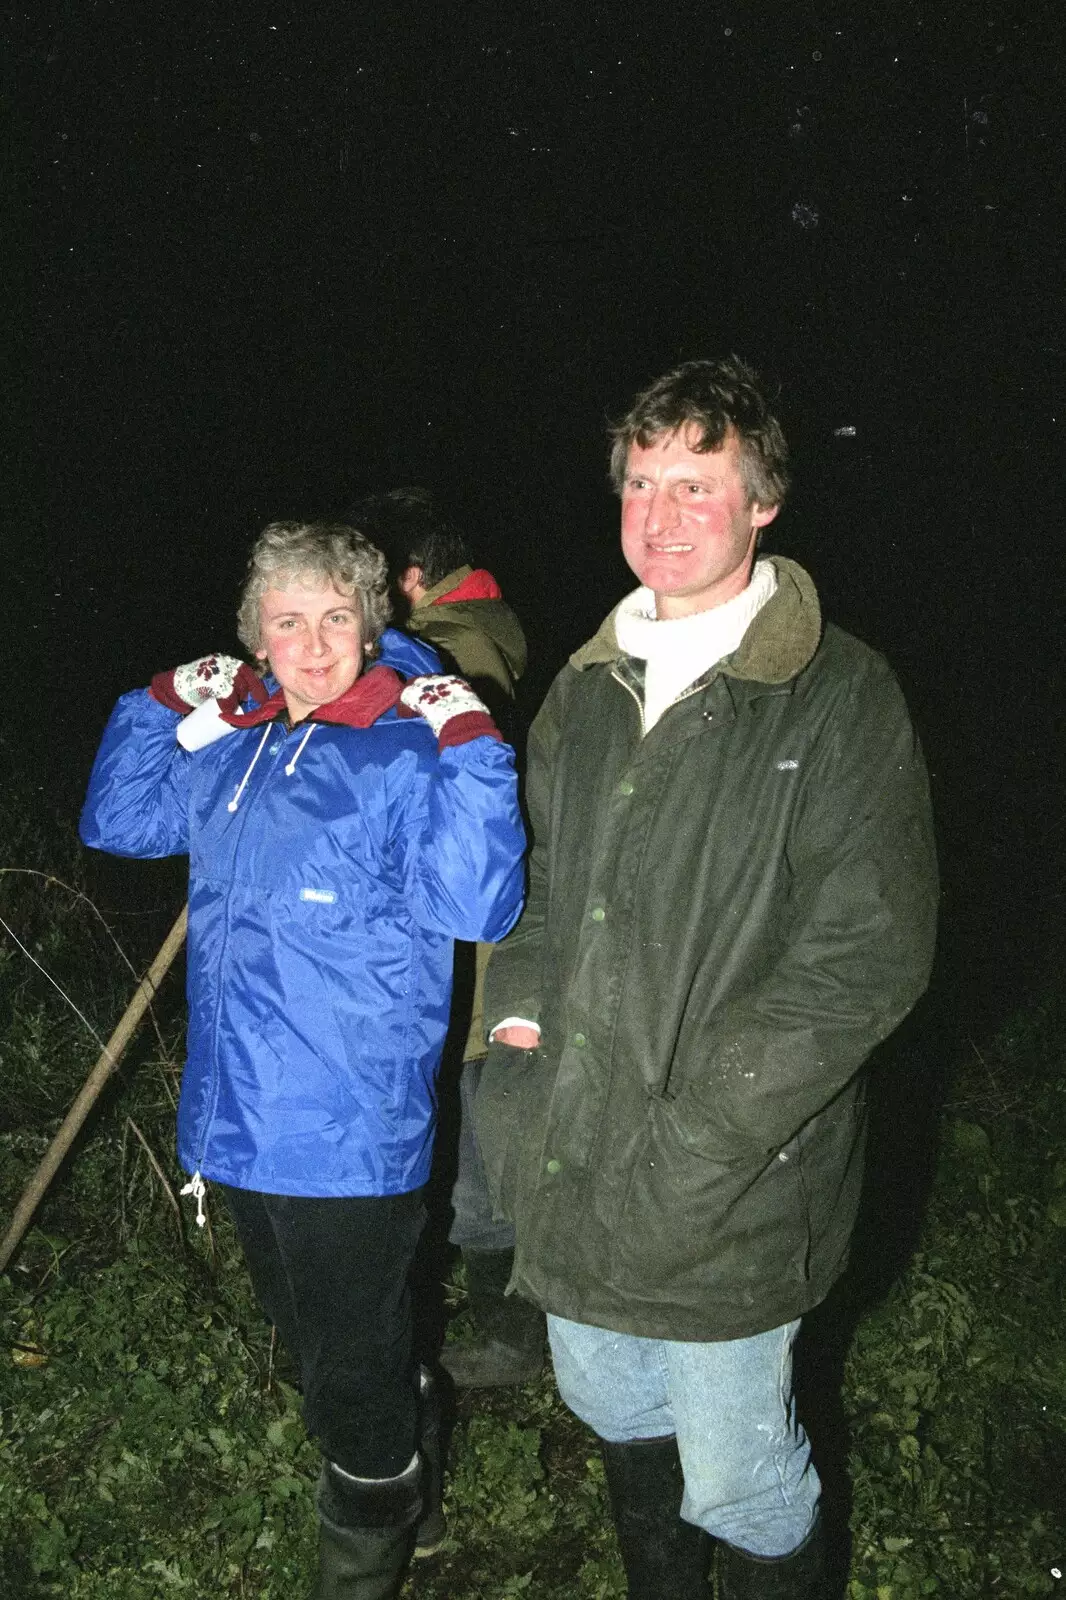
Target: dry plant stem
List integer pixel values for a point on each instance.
(91, 1089)
(122, 1180)
(157, 1169)
(57, 883)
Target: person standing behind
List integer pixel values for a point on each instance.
(732, 901)
(460, 610)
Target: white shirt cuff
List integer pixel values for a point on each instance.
(515, 1022)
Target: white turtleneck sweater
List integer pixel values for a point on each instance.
(678, 650)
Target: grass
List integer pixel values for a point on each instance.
(955, 1384)
(151, 1447)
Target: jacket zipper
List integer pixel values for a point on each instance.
(195, 1186)
(686, 694)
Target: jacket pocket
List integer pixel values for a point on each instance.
(693, 1125)
(512, 1091)
(724, 1236)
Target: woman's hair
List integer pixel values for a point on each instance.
(316, 554)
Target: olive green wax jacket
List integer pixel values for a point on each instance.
(483, 639)
(726, 915)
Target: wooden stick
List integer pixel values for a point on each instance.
(92, 1087)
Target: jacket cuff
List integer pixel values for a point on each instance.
(162, 690)
(468, 725)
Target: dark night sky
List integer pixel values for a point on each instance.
(262, 265)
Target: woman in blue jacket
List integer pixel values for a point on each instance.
(342, 831)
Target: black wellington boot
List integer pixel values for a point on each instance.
(664, 1558)
(801, 1575)
(366, 1531)
(510, 1343)
(431, 1525)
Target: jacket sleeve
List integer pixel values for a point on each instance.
(137, 804)
(463, 852)
(513, 982)
(855, 949)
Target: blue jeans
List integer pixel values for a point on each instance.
(749, 1478)
(473, 1226)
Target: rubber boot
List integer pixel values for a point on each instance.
(664, 1558)
(509, 1347)
(365, 1533)
(801, 1575)
(432, 1526)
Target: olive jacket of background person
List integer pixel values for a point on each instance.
(467, 620)
(725, 917)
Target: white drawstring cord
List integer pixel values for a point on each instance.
(232, 806)
(291, 768)
(197, 1188)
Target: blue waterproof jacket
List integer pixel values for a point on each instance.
(322, 910)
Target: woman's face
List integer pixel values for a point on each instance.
(313, 642)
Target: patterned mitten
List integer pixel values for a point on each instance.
(451, 708)
(221, 678)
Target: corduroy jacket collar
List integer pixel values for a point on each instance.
(780, 642)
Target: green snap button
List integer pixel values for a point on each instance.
(580, 1040)
(598, 914)
(555, 1166)
(625, 787)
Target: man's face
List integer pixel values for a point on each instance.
(688, 527)
(313, 640)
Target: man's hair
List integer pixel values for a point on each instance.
(316, 554)
(715, 397)
(413, 533)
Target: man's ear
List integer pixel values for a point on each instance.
(762, 515)
(410, 578)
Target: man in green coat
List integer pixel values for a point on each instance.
(732, 901)
(459, 609)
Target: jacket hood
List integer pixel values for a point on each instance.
(469, 602)
(780, 642)
(475, 583)
(411, 658)
(371, 694)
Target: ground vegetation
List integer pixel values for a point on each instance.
(151, 1444)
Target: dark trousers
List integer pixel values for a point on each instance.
(473, 1226)
(332, 1275)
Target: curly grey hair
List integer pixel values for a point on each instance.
(315, 553)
